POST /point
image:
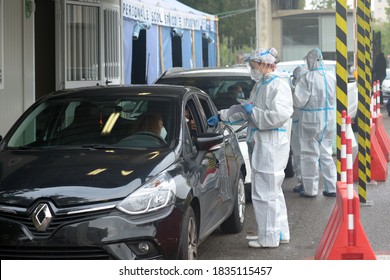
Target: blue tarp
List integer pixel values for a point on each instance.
(163, 15)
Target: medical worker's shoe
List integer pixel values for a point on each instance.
(330, 194)
(303, 194)
(254, 244)
(298, 188)
(251, 237)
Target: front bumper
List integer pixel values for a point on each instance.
(104, 235)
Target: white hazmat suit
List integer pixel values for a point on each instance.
(269, 148)
(315, 97)
(298, 73)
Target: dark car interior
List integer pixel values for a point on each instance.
(94, 122)
(216, 87)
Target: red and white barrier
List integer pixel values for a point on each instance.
(379, 140)
(343, 156)
(373, 106)
(344, 237)
(351, 226)
(378, 98)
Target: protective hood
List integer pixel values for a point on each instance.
(314, 59)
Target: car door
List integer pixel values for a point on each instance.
(210, 175)
(224, 157)
(231, 152)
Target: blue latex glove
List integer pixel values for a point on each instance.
(248, 108)
(213, 120)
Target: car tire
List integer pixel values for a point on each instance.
(235, 222)
(188, 248)
(288, 171)
(248, 192)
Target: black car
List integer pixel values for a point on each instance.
(80, 180)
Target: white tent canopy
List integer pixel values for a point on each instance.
(159, 18)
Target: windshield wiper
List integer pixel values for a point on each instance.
(19, 148)
(95, 146)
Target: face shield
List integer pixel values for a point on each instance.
(256, 58)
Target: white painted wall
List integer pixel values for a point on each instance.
(18, 91)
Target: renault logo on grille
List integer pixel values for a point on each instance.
(41, 217)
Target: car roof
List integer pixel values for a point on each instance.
(302, 61)
(289, 66)
(239, 70)
(98, 91)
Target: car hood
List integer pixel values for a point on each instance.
(76, 177)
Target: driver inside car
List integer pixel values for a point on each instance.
(151, 122)
(149, 131)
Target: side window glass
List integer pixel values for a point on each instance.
(206, 107)
(192, 118)
(192, 127)
(189, 146)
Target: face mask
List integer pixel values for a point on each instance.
(256, 75)
(163, 133)
(241, 95)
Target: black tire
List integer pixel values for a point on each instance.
(188, 249)
(288, 171)
(248, 192)
(235, 222)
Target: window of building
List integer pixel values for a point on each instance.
(177, 55)
(300, 31)
(91, 43)
(1, 46)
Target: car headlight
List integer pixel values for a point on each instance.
(157, 193)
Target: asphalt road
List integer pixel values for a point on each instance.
(308, 218)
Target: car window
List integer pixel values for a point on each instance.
(194, 116)
(206, 106)
(192, 127)
(217, 87)
(86, 121)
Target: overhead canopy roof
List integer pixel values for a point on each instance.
(168, 13)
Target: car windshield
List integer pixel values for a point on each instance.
(129, 122)
(224, 90)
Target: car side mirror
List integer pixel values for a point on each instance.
(206, 142)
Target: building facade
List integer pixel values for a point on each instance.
(379, 10)
(47, 45)
(295, 32)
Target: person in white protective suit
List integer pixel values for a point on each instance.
(267, 111)
(315, 96)
(298, 73)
